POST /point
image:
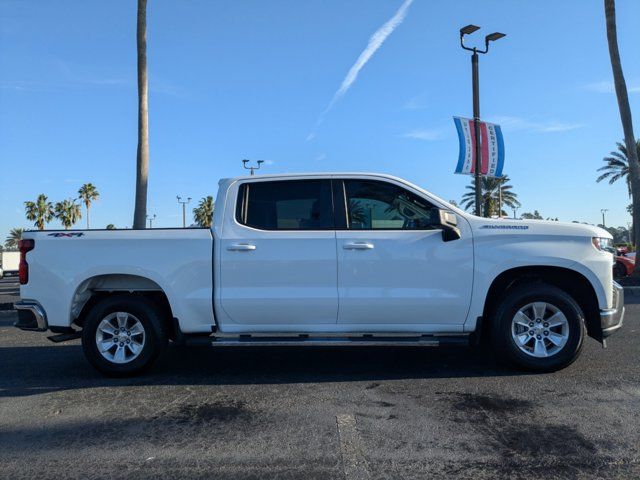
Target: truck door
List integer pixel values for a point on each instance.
(278, 261)
(395, 271)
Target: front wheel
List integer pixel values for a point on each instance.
(123, 335)
(538, 327)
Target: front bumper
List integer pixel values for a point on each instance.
(611, 318)
(31, 316)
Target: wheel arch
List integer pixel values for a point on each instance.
(95, 288)
(571, 281)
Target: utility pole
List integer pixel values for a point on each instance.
(151, 219)
(515, 209)
(603, 211)
(244, 165)
(184, 209)
(475, 78)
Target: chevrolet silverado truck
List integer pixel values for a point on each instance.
(324, 259)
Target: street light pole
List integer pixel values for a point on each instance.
(603, 212)
(475, 78)
(476, 130)
(151, 219)
(184, 209)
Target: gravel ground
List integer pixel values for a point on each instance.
(318, 413)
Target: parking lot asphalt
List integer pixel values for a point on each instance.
(318, 413)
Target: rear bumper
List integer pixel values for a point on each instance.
(31, 316)
(611, 318)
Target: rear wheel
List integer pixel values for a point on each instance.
(123, 335)
(538, 327)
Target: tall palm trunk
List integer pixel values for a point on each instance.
(625, 117)
(142, 160)
(87, 205)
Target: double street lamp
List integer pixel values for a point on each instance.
(184, 209)
(469, 29)
(251, 167)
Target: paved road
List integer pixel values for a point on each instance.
(9, 292)
(318, 413)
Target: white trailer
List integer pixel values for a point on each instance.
(9, 263)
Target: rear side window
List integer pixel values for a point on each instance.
(286, 205)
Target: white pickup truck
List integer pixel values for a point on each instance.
(324, 259)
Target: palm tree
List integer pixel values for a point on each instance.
(15, 234)
(87, 194)
(625, 118)
(142, 157)
(495, 193)
(617, 166)
(203, 213)
(40, 212)
(68, 212)
(531, 216)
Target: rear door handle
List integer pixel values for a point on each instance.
(358, 246)
(241, 247)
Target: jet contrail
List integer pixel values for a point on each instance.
(376, 40)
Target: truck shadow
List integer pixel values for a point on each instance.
(40, 367)
(34, 370)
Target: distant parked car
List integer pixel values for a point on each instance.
(624, 264)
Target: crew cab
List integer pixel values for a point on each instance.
(324, 259)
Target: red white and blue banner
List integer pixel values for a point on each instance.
(491, 148)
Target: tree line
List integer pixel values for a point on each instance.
(68, 212)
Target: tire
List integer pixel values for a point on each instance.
(619, 270)
(561, 344)
(139, 338)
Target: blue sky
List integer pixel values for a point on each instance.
(250, 79)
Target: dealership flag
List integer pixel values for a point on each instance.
(491, 148)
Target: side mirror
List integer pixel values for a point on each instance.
(449, 224)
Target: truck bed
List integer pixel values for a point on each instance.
(65, 264)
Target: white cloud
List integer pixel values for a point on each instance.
(321, 156)
(518, 123)
(424, 134)
(416, 103)
(606, 86)
(375, 42)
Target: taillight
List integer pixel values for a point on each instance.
(23, 270)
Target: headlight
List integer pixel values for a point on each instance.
(603, 244)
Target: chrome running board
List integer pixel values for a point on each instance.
(332, 340)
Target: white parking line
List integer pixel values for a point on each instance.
(353, 461)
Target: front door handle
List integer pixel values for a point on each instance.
(358, 246)
(241, 247)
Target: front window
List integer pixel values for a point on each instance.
(375, 205)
